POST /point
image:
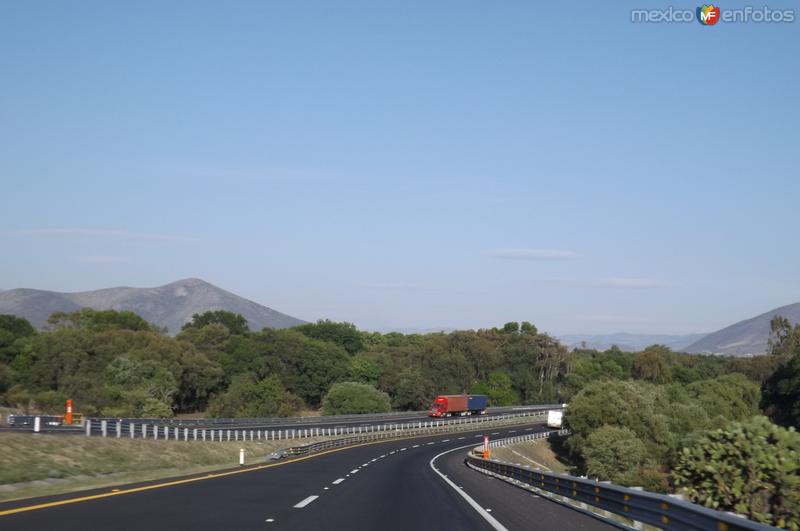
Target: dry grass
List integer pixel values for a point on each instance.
(534, 453)
(40, 464)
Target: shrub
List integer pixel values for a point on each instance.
(352, 397)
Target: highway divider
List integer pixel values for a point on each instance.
(635, 506)
(122, 429)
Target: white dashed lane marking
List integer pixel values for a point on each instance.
(354, 471)
(305, 502)
(338, 481)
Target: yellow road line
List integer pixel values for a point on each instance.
(69, 501)
(171, 483)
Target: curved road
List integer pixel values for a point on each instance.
(387, 486)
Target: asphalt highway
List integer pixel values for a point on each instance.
(387, 486)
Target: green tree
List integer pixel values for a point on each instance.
(346, 335)
(364, 370)
(752, 468)
(99, 320)
(784, 338)
(412, 390)
(498, 388)
(12, 328)
(652, 365)
(346, 398)
(234, 322)
(250, 397)
(308, 367)
(780, 393)
(614, 453)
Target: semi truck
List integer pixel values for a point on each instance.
(450, 405)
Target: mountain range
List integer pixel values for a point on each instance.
(170, 306)
(628, 342)
(746, 337)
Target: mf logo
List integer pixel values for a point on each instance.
(708, 15)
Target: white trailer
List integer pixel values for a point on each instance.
(554, 418)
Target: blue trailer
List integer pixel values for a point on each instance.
(476, 404)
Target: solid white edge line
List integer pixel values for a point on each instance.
(475, 505)
(305, 502)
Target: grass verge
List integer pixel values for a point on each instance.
(41, 464)
(537, 454)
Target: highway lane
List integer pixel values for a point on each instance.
(388, 485)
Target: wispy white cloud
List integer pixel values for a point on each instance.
(97, 233)
(523, 253)
(101, 259)
(629, 282)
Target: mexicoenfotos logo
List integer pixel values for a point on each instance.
(708, 15)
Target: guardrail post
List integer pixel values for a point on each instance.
(186, 434)
(37, 424)
(119, 429)
(88, 425)
(104, 427)
(132, 429)
(212, 435)
(204, 435)
(229, 435)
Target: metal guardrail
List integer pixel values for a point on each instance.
(661, 511)
(331, 419)
(120, 429)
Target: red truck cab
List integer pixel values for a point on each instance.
(447, 405)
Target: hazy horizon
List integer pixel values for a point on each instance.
(449, 164)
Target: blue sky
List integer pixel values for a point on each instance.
(407, 164)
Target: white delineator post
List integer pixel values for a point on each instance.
(37, 424)
(241, 456)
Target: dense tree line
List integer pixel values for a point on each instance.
(656, 418)
(669, 421)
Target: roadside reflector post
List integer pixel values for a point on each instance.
(68, 416)
(241, 456)
(88, 425)
(37, 424)
(486, 447)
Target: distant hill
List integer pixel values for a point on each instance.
(744, 338)
(169, 306)
(629, 342)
